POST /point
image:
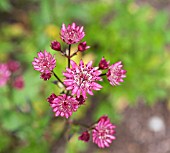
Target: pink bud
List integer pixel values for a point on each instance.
(104, 118)
(45, 76)
(51, 98)
(81, 100)
(103, 64)
(55, 45)
(18, 82)
(85, 136)
(82, 46)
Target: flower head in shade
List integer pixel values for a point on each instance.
(45, 62)
(103, 64)
(85, 136)
(71, 34)
(103, 132)
(4, 74)
(18, 83)
(13, 66)
(82, 46)
(81, 79)
(115, 73)
(64, 105)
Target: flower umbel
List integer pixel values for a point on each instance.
(72, 34)
(4, 74)
(81, 79)
(64, 105)
(115, 73)
(45, 62)
(103, 132)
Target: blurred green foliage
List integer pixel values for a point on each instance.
(117, 30)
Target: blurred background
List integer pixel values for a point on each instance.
(134, 31)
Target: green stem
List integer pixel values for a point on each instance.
(102, 74)
(69, 50)
(58, 78)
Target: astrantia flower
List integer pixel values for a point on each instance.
(45, 62)
(4, 74)
(115, 73)
(81, 79)
(85, 136)
(64, 105)
(72, 34)
(103, 132)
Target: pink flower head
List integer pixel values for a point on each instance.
(64, 105)
(13, 66)
(55, 45)
(85, 136)
(82, 46)
(45, 62)
(81, 79)
(103, 132)
(72, 34)
(18, 83)
(103, 64)
(4, 74)
(45, 76)
(115, 73)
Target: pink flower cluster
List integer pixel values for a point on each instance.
(80, 79)
(10, 73)
(102, 133)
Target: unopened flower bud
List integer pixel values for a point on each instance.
(18, 83)
(45, 76)
(103, 64)
(51, 98)
(82, 46)
(55, 45)
(85, 136)
(81, 100)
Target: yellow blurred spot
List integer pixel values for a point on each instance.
(52, 31)
(133, 8)
(58, 126)
(121, 104)
(108, 1)
(89, 57)
(77, 57)
(3, 57)
(15, 30)
(39, 107)
(151, 14)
